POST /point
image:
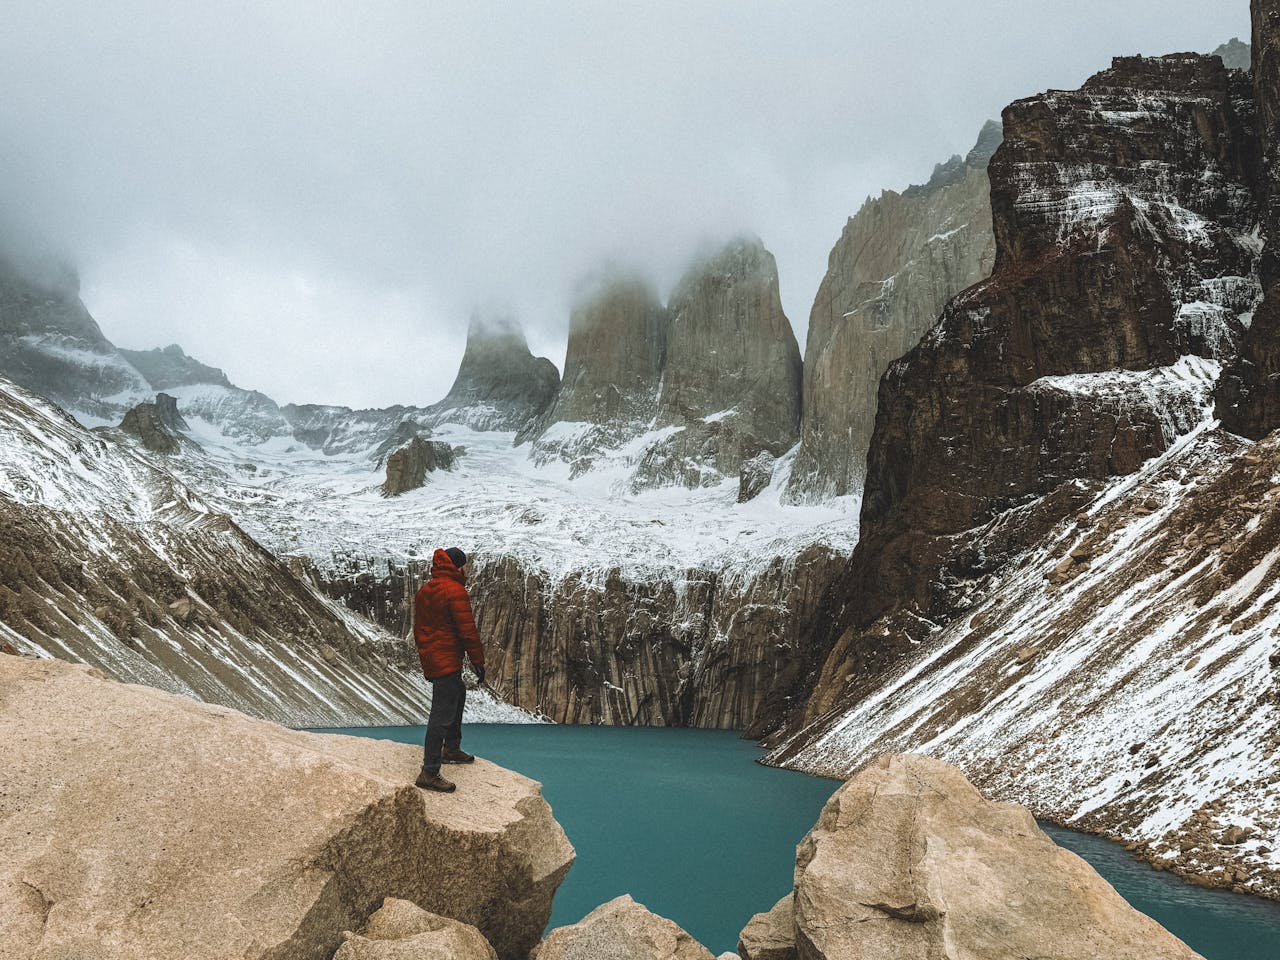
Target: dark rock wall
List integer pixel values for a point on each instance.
(702, 650)
(1115, 207)
(1249, 392)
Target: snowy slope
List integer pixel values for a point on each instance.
(498, 504)
(110, 560)
(1123, 677)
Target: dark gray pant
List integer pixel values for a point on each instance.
(444, 725)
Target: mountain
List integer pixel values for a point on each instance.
(51, 345)
(896, 264)
(169, 367)
(618, 331)
(112, 561)
(1046, 585)
(500, 384)
(681, 396)
(1235, 54)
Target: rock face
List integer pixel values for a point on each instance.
(210, 834)
(621, 930)
(401, 930)
(166, 367)
(500, 384)
(50, 345)
(1235, 54)
(897, 263)
(612, 370)
(408, 467)
(682, 396)
(731, 383)
(908, 860)
(771, 935)
(1249, 392)
(1126, 260)
(157, 424)
(1152, 605)
(705, 650)
(111, 561)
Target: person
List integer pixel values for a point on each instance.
(444, 630)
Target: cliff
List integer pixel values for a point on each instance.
(1009, 561)
(896, 264)
(212, 834)
(50, 345)
(683, 396)
(1249, 392)
(500, 385)
(613, 365)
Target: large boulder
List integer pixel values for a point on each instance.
(408, 467)
(770, 935)
(401, 930)
(909, 861)
(137, 823)
(157, 424)
(621, 930)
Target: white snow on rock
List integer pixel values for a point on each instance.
(1124, 677)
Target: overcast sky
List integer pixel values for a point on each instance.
(313, 195)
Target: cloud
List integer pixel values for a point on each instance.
(315, 196)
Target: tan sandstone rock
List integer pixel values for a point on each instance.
(401, 930)
(136, 823)
(771, 935)
(909, 861)
(621, 930)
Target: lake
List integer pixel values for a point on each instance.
(688, 824)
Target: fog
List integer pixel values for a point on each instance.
(315, 196)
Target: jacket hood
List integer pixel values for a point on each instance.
(442, 566)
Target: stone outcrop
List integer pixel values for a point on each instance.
(621, 930)
(771, 935)
(401, 930)
(1125, 269)
(908, 860)
(111, 561)
(408, 467)
(204, 833)
(705, 650)
(50, 345)
(684, 395)
(1249, 391)
(1235, 54)
(612, 370)
(500, 385)
(168, 367)
(731, 382)
(157, 424)
(897, 263)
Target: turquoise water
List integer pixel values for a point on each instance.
(689, 825)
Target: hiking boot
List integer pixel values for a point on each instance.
(454, 755)
(433, 781)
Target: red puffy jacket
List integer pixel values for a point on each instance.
(443, 626)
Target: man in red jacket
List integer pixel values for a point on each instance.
(444, 629)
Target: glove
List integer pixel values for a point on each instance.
(479, 673)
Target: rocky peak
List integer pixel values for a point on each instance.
(897, 262)
(408, 467)
(167, 367)
(500, 384)
(731, 382)
(157, 424)
(51, 345)
(1235, 54)
(1126, 266)
(617, 347)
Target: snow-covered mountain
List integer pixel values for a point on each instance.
(111, 560)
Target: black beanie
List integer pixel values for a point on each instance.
(457, 556)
